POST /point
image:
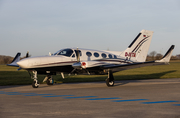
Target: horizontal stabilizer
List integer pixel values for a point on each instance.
(163, 61)
(15, 60)
(166, 58)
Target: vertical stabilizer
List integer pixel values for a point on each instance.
(138, 49)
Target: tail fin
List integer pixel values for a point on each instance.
(138, 49)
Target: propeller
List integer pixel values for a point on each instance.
(78, 65)
(78, 55)
(27, 54)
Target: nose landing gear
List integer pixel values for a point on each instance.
(35, 83)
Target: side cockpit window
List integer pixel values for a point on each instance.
(115, 56)
(73, 55)
(65, 52)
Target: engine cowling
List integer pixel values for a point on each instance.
(87, 64)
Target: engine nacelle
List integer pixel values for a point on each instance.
(77, 65)
(87, 64)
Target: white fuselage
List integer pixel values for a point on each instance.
(67, 57)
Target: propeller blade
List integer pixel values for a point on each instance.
(78, 55)
(27, 54)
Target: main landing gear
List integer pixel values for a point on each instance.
(35, 84)
(110, 79)
(49, 80)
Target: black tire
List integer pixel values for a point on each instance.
(34, 85)
(109, 83)
(50, 81)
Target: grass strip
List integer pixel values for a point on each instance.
(10, 75)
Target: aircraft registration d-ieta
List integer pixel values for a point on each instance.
(80, 61)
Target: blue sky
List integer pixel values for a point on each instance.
(43, 26)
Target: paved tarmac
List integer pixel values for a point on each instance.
(155, 98)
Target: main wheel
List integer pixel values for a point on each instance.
(50, 81)
(35, 84)
(109, 83)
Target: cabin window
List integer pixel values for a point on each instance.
(89, 54)
(103, 55)
(96, 54)
(66, 52)
(115, 56)
(110, 56)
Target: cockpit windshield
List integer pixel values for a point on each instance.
(64, 52)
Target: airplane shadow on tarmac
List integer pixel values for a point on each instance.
(136, 78)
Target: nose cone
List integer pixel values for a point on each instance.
(23, 63)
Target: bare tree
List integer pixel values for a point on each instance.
(152, 55)
(5, 59)
(159, 56)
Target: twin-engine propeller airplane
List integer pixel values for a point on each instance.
(74, 60)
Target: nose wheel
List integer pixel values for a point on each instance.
(35, 84)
